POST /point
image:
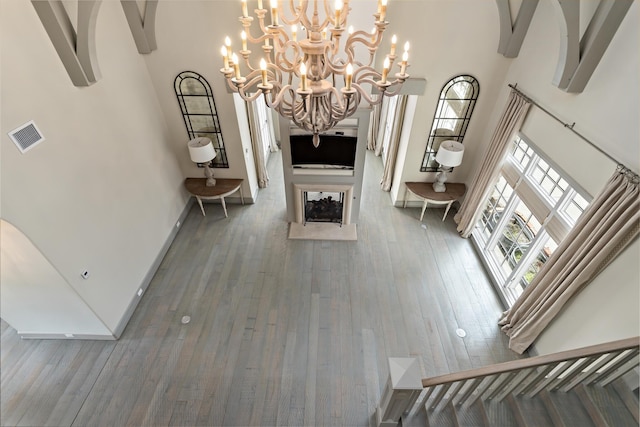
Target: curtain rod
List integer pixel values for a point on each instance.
(568, 126)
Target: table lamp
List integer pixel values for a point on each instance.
(449, 155)
(201, 151)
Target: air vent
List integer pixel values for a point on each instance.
(26, 136)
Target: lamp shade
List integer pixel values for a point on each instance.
(201, 150)
(450, 153)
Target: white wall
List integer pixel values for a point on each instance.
(32, 286)
(606, 112)
(448, 38)
(189, 36)
(104, 190)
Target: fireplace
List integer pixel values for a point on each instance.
(323, 211)
(323, 206)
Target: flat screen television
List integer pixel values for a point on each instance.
(333, 152)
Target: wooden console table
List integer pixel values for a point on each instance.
(224, 187)
(424, 191)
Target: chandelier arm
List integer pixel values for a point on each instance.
(397, 86)
(325, 23)
(369, 40)
(278, 98)
(230, 84)
(325, 110)
(338, 97)
(303, 18)
(279, 30)
(252, 97)
(334, 40)
(327, 11)
(246, 24)
(261, 13)
(292, 9)
(365, 95)
(246, 86)
(353, 101)
(303, 107)
(339, 112)
(246, 61)
(337, 65)
(360, 75)
(280, 57)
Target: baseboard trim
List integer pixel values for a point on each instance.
(152, 271)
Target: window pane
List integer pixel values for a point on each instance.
(577, 204)
(495, 206)
(516, 238)
(536, 265)
(521, 152)
(549, 180)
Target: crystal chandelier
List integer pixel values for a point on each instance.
(316, 81)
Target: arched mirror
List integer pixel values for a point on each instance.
(451, 119)
(199, 112)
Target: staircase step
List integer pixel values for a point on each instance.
(611, 409)
(629, 398)
(443, 416)
(529, 412)
(497, 414)
(471, 416)
(565, 409)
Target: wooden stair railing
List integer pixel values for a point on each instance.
(601, 364)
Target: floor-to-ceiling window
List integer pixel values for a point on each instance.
(530, 209)
(263, 126)
(391, 104)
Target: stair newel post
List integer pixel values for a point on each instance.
(403, 387)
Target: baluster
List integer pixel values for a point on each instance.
(573, 371)
(632, 363)
(473, 384)
(613, 366)
(483, 387)
(440, 395)
(454, 392)
(555, 373)
(519, 378)
(603, 359)
(507, 377)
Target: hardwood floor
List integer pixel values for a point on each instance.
(282, 332)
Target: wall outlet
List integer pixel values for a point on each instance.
(178, 224)
(140, 292)
(68, 335)
(85, 274)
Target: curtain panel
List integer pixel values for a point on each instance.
(605, 228)
(257, 145)
(394, 143)
(510, 121)
(374, 125)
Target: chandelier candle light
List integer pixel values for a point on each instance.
(315, 82)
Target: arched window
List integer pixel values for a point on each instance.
(451, 119)
(199, 112)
